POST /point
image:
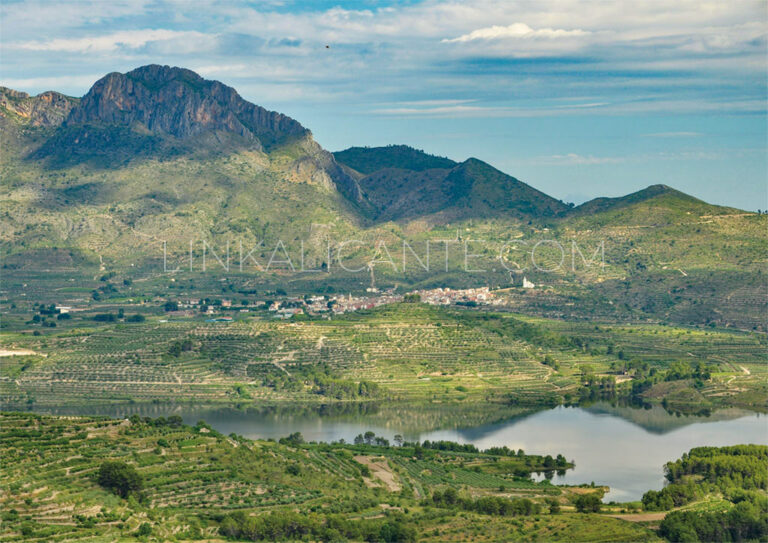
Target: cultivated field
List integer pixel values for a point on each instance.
(404, 351)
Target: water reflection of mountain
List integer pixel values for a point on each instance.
(657, 420)
(471, 423)
(411, 420)
(414, 420)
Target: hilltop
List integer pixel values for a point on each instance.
(178, 102)
(404, 183)
(656, 203)
(367, 160)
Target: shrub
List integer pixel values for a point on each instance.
(587, 503)
(105, 317)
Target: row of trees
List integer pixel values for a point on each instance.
(487, 505)
(420, 450)
(322, 380)
(291, 526)
(173, 421)
(644, 377)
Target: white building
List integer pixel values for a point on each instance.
(527, 283)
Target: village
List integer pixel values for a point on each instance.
(336, 305)
(324, 305)
(220, 310)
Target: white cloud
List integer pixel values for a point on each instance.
(46, 17)
(460, 108)
(440, 102)
(628, 56)
(51, 83)
(131, 39)
(573, 159)
(443, 111)
(517, 30)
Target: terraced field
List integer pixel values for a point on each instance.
(183, 470)
(193, 476)
(411, 351)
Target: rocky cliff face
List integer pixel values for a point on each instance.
(180, 103)
(46, 109)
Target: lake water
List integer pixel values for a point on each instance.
(620, 447)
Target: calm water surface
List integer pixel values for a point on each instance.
(623, 448)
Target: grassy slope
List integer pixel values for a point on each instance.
(240, 197)
(659, 198)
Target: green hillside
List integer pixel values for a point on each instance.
(403, 183)
(657, 204)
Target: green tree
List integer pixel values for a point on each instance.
(120, 478)
(587, 503)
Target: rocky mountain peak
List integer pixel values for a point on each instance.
(178, 102)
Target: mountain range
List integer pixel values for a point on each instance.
(163, 113)
(160, 155)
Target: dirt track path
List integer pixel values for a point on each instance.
(641, 517)
(380, 470)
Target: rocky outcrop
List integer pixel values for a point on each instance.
(324, 160)
(178, 102)
(47, 109)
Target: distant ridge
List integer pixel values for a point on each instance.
(402, 182)
(649, 193)
(160, 149)
(654, 204)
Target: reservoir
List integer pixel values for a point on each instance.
(621, 447)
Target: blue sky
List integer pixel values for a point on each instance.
(578, 98)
